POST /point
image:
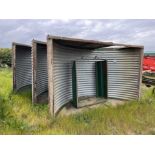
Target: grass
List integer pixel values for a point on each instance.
(19, 116)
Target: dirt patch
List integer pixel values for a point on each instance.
(43, 98)
(88, 101)
(27, 88)
(69, 109)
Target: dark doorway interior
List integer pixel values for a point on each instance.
(101, 79)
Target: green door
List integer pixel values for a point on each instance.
(101, 79)
(74, 84)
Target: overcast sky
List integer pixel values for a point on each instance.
(122, 31)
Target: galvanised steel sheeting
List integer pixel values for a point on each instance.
(86, 78)
(62, 68)
(42, 80)
(123, 73)
(22, 65)
(40, 75)
(63, 55)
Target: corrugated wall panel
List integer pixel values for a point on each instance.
(23, 72)
(41, 69)
(63, 59)
(123, 73)
(86, 78)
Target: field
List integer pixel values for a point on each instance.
(19, 116)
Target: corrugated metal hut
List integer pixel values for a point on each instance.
(83, 69)
(22, 66)
(74, 70)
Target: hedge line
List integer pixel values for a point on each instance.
(5, 57)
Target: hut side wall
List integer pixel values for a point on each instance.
(141, 70)
(22, 71)
(40, 78)
(124, 67)
(86, 77)
(123, 73)
(63, 58)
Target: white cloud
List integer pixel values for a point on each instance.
(125, 31)
(48, 22)
(99, 26)
(65, 20)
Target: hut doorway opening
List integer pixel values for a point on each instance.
(89, 82)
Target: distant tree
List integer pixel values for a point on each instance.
(5, 57)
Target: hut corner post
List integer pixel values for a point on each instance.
(140, 73)
(34, 63)
(14, 65)
(50, 75)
